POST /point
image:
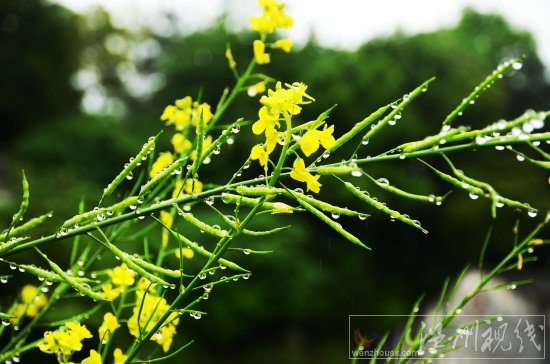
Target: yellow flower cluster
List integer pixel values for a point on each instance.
(108, 327)
(186, 112)
(32, 301)
(273, 17)
(121, 277)
(65, 341)
(281, 102)
(148, 310)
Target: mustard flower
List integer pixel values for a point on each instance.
(273, 17)
(94, 358)
(310, 141)
(190, 187)
(187, 253)
(32, 301)
(64, 342)
(108, 327)
(230, 60)
(163, 160)
(181, 143)
(286, 100)
(119, 357)
(259, 52)
(267, 121)
(122, 275)
(259, 153)
(283, 44)
(300, 173)
(256, 89)
(110, 292)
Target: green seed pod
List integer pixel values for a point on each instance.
(163, 175)
(384, 184)
(190, 218)
(337, 227)
(81, 288)
(90, 216)
(381, 207)
(338, 170)
(32, 223)
(152, 267)
(501, 69)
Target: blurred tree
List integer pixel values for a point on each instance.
(40, 46)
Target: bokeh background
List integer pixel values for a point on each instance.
(79, 94)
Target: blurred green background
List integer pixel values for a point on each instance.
(57, 65)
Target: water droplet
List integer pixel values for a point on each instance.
(362, 217)
(393, 105)
(104, 341)
(458, 311)
(472, 102)
(202, 276)
(401, 156)
(499, 147)
(222, 266)
(460, 113)
(129, 176)
(512, 286)
(356, 173)
(4, 279)
(517, 65)
(236, 128)
(298, 190)
(473, 195)
(416, 309)
(530, 250)
(230, 141)
(326, 154)
(480, 139)
(247, 276)
(13, 266)
(406, 97)
(520, 158)
(6, 322)
(246, 252)
(532, 213)
(101, 217)
(335, 215)
(392, 122)
(209, 200)
(21, 269)
(217, 150)
(208, 288)
(205, 296)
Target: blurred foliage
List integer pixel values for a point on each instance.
(295, 307)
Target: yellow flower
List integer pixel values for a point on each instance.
(65, 342)
(184, 103)
(273, 17)
(109, 292)
(259, 52)
(256, 89)
(266, 122)
(181, 143)
(108, 327)
(286, 100)
(190, 186)
(163, 160)
(230, 60)
(78, 330)
(259, 153)
(148, 310)
(187, 253)
(309, 142)
(168, 112)
(165, 338)
(32, 301)
(167, 219)
(301, 174)
(119, 357)
(122, 276)
(94, 358)
(284, 44)
(201, 110)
